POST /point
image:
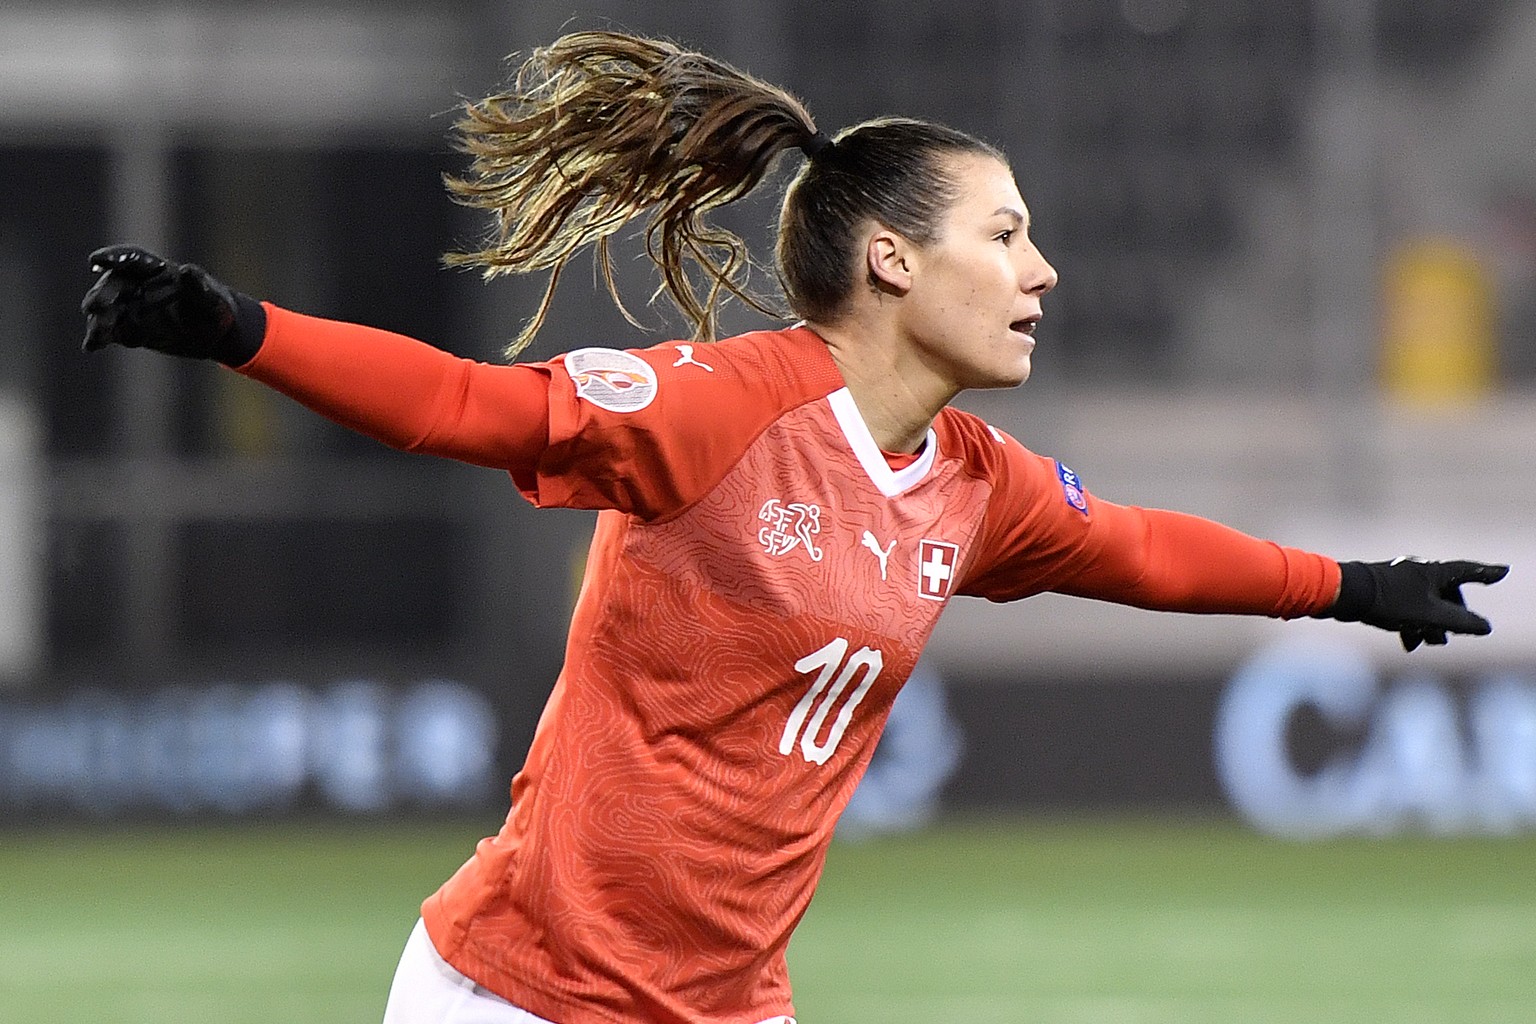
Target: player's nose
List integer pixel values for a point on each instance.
(1038, 276)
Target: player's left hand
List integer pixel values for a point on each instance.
(1419, 601)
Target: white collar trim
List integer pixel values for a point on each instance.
(891, 482)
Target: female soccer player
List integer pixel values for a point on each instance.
(784, 514)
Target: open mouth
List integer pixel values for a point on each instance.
(1026, 325)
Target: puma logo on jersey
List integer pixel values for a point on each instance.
(789, 526)
(883, 554)
(685, 358)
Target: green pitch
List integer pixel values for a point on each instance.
(1013, 922)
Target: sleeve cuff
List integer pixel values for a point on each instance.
(243, 340)
(1357, 593)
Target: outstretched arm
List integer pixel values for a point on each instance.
(1044, 533)
(395, 389)
(404, 392)
(1172, 561)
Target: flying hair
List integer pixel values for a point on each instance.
(599, 128)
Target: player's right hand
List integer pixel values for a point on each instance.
(142, 300)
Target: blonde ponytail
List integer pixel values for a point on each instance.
(600, 127)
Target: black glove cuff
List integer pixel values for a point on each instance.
(1357, 593)
(241, 342)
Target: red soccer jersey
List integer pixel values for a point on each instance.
(761, 583)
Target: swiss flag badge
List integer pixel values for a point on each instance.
(937, 563)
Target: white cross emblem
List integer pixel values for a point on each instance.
(936, 561)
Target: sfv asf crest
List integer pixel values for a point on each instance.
(789, 525)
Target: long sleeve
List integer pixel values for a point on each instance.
(1044, 532)
(405, 393)
(1170, 561)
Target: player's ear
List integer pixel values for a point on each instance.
(888, 260)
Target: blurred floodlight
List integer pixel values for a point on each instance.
(286, 65)
(21, 606)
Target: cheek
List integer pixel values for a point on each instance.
(971, 291)
(950, 297)
(992, 286)
(968, 295)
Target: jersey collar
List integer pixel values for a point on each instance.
(891, 482)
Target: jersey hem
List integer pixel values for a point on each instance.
(556, 1006)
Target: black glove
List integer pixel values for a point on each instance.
(1420, 601)
(143, 301)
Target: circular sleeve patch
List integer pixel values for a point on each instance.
(611, 379)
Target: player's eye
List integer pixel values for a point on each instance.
(1005, 236)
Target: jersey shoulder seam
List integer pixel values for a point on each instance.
(815, 394)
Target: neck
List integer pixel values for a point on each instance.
(897, 401)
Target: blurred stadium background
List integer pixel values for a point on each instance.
(262, 683)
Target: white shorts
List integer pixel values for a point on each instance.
(427, 990)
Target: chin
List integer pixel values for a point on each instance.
(1012, 377)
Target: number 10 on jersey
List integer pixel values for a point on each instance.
(832, 660)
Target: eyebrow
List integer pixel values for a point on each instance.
(1008, 211)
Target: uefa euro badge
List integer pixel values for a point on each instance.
(611, 379)
(1072, 488)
